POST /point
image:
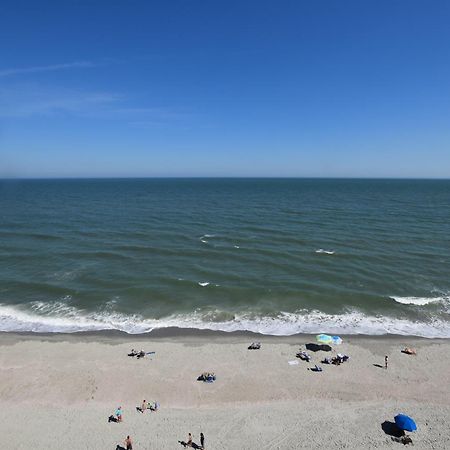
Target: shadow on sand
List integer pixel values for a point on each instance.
(318, 347)
(391, 429)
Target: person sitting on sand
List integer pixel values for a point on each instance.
(141, 354)
(189, 441)
(119, 414)
(153, 406)
(336, 361)
(143, 406)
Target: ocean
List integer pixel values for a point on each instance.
(274, 256)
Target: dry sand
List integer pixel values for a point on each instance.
(57, 392)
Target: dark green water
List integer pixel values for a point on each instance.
(267, 255)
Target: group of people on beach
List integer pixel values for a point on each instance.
(191, 443)
(144, 406)
(128, 444)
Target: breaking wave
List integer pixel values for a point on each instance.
(327, 252)
(420, 301)
(57, 317)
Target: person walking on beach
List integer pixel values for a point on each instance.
(202, 440)
(128, 443)
(386, 362)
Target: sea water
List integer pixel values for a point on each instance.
(275, 256)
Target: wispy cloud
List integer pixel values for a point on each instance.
(50, 68)
(31, 100)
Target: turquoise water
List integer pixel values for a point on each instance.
(277, 256)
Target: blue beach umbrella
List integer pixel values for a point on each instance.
(405, 422)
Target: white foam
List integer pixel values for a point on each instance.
(203, 283)
(419, 301)
(284, 324)
(328, 252)
(206, 236)
(236, 246)
(68, 320)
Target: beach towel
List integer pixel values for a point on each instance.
(293, 363)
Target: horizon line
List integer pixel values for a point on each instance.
(225, 177)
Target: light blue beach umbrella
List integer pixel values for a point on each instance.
(324, 339)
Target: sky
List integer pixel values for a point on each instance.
(329, 88)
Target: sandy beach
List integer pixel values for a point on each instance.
(57, 391)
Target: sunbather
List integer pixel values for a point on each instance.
(254, 346)
(207, 377)
(133, 352)
(143, 406)
(303, 356)
(409, 351)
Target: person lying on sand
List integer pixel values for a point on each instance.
(405, 440)
(303, 356)
(409, 351)
(133, 352)
(207, 377)
(254, 346)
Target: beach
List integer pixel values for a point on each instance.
(58, 390)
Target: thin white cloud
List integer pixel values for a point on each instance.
(50, 68)
(30, 100)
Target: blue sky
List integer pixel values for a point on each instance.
(225, 88)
